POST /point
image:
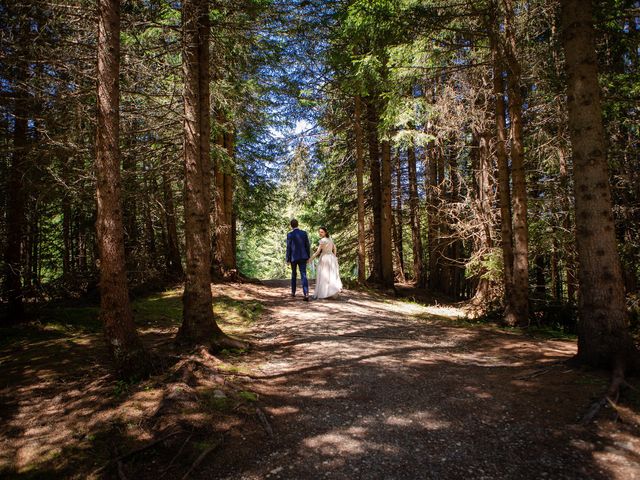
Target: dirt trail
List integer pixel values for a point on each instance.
(364, 387)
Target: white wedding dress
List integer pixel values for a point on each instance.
(328, 281)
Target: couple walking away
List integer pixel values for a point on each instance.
(328, 281)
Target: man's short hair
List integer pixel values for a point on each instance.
(294, 223)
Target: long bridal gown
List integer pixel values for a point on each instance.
(328, 281)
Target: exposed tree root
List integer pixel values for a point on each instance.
(265, 422)
(135, 451)
(200, 458)
(611, 396)
(224, 341)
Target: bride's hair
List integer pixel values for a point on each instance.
(325, 231)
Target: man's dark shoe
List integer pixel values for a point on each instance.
(306, 298)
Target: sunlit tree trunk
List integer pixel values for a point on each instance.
(115, 310)
(603, 335)
(520, 313)
(360, 189)
(414, 212)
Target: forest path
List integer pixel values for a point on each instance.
(367, 387)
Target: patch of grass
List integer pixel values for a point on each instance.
(234, 316)
(249, 396)
(237, 369)
(73, 320)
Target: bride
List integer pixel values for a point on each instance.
(328, 281)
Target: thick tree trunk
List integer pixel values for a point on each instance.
(603, 336)
(386, 220)
(376, 193)
(520, 312)
(198, 324)
(398, 222)
(115, 310)
(419, 272)
(173, 262)
(360, 190)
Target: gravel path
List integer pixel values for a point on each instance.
(364, 387)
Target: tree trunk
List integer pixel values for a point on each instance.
(115, 310)
(173, 261)
(432, 216)
(398, 221)
(198, 324)
(414, 213)
(386, 220)
(504, 188)
(229, 259)
(519, 195)
(360, 190)
(484, 193)
(603, 336)
(570, 257)
(376, 193)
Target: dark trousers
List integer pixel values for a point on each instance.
(302, 266)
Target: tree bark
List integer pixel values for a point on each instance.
(198, 324)
(375, 275)
(520, 312)
(386, 220)
(414, 213)
(504, 187)
(360, 190)
(398, 221)
(603, 336)
(229, 259)
(115, 310)
(432, 216)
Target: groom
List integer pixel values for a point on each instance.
(298, 252)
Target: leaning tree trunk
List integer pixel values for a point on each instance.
(520, 313)
(198, 324)
(414, 214)
(360, 190)
(115, 310)
(386, 220)
(603, 336)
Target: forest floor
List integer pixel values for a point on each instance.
(362, 386)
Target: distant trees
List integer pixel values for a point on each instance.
(457, 91)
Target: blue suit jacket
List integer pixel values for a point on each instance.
(298, 246)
